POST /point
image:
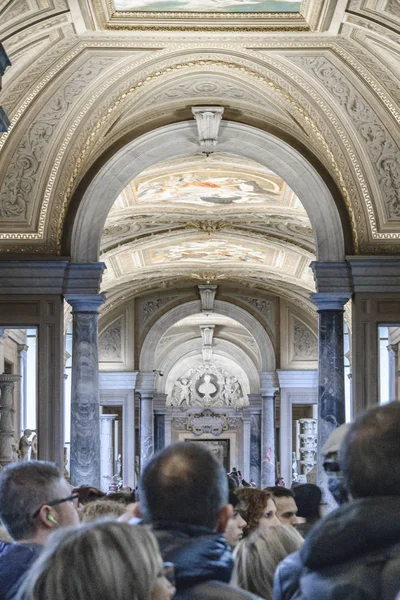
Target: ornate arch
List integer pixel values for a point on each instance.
(179, 139)
(265, 346)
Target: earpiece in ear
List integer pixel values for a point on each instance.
(52, 519)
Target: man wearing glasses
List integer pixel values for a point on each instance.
(34, 501)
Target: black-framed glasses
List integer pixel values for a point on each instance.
(70, 499)
(169, 572)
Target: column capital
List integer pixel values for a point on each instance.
(83, 278)
(107, 417)
(269, 383)
(21, 348)
(329, 301)
(85, 303)
(7, 379)
(145, 384)
(332, 277)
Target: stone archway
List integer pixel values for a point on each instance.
(180, 139)
(265, 346)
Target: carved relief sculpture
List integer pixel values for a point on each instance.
(207, 386)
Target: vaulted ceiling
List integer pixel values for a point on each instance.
(88, 77)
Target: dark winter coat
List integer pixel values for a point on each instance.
(352, 554)
(15, 560)
(203, 562)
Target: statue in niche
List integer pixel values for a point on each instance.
(24, 445)
(227, 392)
(34, 448)
(184, 392)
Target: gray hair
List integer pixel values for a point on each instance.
(97, 560)
(24, 487)
(257, 557)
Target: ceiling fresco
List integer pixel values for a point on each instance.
(203, 214)
(208, 183)
(212, 250)
(235, 6)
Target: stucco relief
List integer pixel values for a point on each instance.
(305, 343)
(207, 422)
(17, 189)
(382, 148)
(393, 7)
(110, 342)
(14, 10)
(207, 385)
(151, 306)
(264, 307)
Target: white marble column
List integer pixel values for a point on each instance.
(269, 385)
(106, 450)
(7, 425)
(85, 423)
(22, 350)
(393, 350)
(145, 387)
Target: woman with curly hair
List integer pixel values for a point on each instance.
(257, 508)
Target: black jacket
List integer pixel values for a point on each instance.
(203, 562)
(352, 554)
(15, 560)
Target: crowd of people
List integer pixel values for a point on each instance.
(194, 533)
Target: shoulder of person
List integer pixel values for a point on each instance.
(215, 590)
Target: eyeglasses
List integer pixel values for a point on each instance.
(71, 500)
(169, 572)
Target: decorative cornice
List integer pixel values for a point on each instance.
(49, 277)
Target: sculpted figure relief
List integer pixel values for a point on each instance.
(207, 386)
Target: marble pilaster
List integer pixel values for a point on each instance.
(246, 444)
(106, 451)
(159, 430)
(255, 447)
(269, 385)
(145, 387)
(393, 350)
(331, 396)
(7, 425)
(85, 423)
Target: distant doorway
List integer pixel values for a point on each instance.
(220, 449)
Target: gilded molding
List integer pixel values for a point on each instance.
(181, 66)
(303, 114)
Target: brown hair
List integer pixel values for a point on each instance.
(101, 508)
(252, 504)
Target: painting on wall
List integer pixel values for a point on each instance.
(208, 188)
(216, 6)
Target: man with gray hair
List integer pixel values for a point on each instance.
(34, 500)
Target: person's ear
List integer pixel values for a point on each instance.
(46, 518)
(225, 514)
(136, 511)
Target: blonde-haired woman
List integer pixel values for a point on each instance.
(257, 557)
(99, 561)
